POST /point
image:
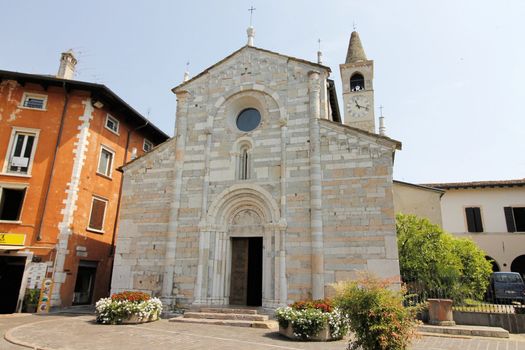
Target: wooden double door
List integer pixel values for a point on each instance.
(246, 271)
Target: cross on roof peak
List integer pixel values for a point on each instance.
(251, 9)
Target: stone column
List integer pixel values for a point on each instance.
(283, 284)
(222, 263)
(316, 221)
(171, 235)
(202, 268)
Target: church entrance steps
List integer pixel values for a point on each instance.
(226, 310)
(227, 317)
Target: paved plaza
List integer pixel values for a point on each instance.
(73, 332)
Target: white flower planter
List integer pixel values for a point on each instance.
(135, 319)
(323, 335)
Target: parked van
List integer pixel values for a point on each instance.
(507, 287)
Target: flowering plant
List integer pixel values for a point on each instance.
(308, 318)
(126, 304)
(130, 296)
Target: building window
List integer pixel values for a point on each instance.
(105, 162)
(34, 101)
(11, 200)
(97, 215)
(248, 119)
(112, 124)
(243, 164)
(474, 223)
(357, 82)
(147, 145)
(21, 151)
(515, 218)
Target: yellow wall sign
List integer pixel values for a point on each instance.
(12, 238)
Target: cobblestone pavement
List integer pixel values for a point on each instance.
(81, 333)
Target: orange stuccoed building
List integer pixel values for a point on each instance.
(61, 142)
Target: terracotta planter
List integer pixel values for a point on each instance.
(440, 312)
(324, 334)
(134, 319)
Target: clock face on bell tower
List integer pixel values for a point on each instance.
(359, 106)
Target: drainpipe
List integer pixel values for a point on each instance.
(57, 146)
(115, 223)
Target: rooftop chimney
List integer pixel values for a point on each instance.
(67, 65)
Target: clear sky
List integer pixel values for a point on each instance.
(449, 73)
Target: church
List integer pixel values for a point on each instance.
(265, 195)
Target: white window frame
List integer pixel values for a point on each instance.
(14, 186)
(102, 199)
(14, 132)
(110, 166)
(115, 121)
(27, 95)
(144, 145)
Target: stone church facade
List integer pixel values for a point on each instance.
(263, 196)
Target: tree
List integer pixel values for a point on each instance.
(434, 263)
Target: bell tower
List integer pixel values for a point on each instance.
(357, 74)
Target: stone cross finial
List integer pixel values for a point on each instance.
(251, 9)
(187, 72)
(382, 127)
(319, 53)
(250, 31)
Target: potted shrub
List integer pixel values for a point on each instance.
(128, 307)
(31, 300)
(311, 320)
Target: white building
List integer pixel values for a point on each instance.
(492, 213)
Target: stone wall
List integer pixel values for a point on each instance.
(144, 216)
(358, 212)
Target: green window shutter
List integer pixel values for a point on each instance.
(509, 218)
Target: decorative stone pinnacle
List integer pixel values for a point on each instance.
(251, 34)
(355, 52)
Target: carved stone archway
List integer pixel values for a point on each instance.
(243, 210)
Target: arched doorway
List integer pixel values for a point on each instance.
(246, 232)
(518, 265)
(495, 266)
(241, 254)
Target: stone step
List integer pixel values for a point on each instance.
(225, 316)
(235, 323)
(478, 331)
(227, 310)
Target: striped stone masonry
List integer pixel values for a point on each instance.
(319, 193)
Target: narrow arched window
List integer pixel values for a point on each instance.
(244, 163)
(357, 82)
